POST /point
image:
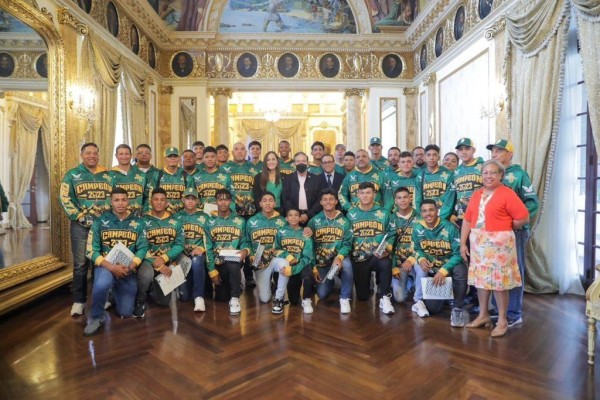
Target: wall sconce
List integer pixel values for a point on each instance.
(82, 101)
(497, 104)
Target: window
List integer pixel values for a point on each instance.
(588, 209)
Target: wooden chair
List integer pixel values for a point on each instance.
(592, 310)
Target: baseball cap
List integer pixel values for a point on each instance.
(190, 192)
(464, 142)
(171, 151)
(503, 144)
(375, 141)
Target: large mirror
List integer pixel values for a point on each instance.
(32, 150)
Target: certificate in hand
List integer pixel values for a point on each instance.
(435, 292)
(381, 247)
(120, 254)
(231, 255)
(169, 283)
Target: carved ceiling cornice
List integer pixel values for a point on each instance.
(66, 18)
(30, 43)
(146, 19)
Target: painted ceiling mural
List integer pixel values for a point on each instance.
(287, 16)
(8, 23)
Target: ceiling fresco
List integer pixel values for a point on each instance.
(288, 16)
(8, 23)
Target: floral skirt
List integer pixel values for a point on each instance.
(493, 263)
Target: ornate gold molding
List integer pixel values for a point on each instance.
(410, 91)
(165, 89)
(66, 18)
(23, 272)
(220, 91)
(498, 26)
(354, 92)
(429, 79)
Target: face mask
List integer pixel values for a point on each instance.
(301, 168)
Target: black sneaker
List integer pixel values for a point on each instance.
(277, 306)
(139, 310)
(250, 284)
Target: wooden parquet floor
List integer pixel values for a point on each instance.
(364, 355)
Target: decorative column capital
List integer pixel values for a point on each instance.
(410, 91)
(165, 89)
(429, 79)
(355, 92)
(220, 91)
(66, 18)
(498, 26)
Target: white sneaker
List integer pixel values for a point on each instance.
(386, 305)
(345, 306)
(307, 306)
(107, 305)
(199, 304)
(420, 308)
(234, 306)
(77, 309)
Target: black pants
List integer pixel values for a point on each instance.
(231, 280)
(362, 276)
(296, 282)
(459, 288)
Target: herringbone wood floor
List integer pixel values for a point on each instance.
(365, 355)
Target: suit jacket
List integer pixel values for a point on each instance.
(312, 187)
(337, 181)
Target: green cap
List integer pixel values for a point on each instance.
(464, 142)
(503, 144)
(190, 192)
(171, 151)
(375, 141)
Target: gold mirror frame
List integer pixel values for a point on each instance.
(25, 281)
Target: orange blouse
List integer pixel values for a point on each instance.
(504, 207)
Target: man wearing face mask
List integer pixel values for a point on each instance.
(301, 190)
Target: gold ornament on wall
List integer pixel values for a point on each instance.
(220, 65)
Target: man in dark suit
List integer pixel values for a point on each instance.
(330, 178)
(301, 190)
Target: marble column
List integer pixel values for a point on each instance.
(411, 96)
(221, 123)
(354, 125)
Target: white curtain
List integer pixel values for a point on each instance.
(102, 65)
(134, 106)
(588, 20)
(534, 61)
(559, 235)
(26, 126)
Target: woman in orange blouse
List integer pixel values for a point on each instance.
(492, 214)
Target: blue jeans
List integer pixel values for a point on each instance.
(515, 295)
(399, 287)
(459, 287)
(79, 236)
(125, 290)
(196, 279)
(346, 277)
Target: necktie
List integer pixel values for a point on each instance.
(329, 181)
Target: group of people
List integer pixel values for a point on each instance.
(295, 225)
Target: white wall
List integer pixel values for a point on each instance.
(373, 110)
(465, 85)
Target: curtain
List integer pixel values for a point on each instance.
(103, 66)
(534, 66)
(46, 139)
(187, 122)
(134, 105)
(271, 133)
(588, 20)
(560, 235)
(27, 123)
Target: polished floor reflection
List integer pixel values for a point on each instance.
(20, 245)
(365, 355)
